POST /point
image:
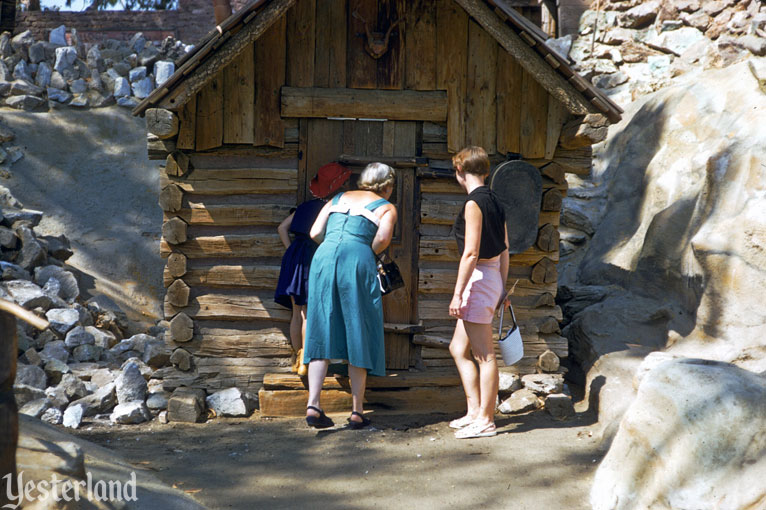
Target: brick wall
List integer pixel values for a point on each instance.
(192, 20)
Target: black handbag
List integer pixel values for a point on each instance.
(389, 276)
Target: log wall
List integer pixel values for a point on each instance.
(9, 421)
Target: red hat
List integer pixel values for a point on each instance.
(329, 178)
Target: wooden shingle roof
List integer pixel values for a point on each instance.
(517, 35)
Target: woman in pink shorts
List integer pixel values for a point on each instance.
(483, 243)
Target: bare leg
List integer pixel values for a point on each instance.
(460, 350)
(296, 338)
(358, 384)
(303, 324)
(317, 372)
(480, 336)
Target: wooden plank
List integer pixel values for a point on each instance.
(449, 185)
(234, 215)
(430, 307)
(237, 181)
(452, 44)
(444, 212)
(270, 56)
(509, 98)
(330, 50)
(534, 117)
(390, 66)
(389, 381)
(413, 400)
(239, 98)
(356, 103)
(557, 117)
(187, 129)
(209, 121)
(420, 46)
(362, 69)
(199, 76)
(301, 38)
(439, 280)
(227, 246)
(232, 306)
(9, 419)
(324, 144)
(481, 105)
(221, 276)
(253, 339)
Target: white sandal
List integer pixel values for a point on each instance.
(476, 430)
(459, 423)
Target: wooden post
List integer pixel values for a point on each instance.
(9, 420)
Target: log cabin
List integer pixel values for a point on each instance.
(284, 86)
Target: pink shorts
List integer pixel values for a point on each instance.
(483, 292)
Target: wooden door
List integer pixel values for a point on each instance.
(355, 142)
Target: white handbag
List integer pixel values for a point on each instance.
(511, 345)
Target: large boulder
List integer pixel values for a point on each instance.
(693, 438)
(231, 402)
(130, 384)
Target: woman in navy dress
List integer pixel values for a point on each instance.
(292, 287)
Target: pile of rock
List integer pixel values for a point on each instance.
(535, 391)
(64, 71)
(630, 48)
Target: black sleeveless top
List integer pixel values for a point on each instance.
(492, 241)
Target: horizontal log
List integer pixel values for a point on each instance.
(447, 184)
(231, 246)
(232, 307)
(445, 249)
(444, 212)
(390, 380)
(248, 378)
(239, 181)
(219, 275)
(234, 215)
(357, 103)
(394, 161)
(442, 281)
(584, 131)
(158, 149)
(438, 308)
(270, 342)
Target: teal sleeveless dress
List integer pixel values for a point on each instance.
(344, 318)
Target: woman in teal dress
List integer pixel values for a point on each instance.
(344, 319)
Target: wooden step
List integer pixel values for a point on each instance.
(392, 380)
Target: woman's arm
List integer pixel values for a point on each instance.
(385, 229)
(317, 229)
(470, 255)
(504, 263)
(284, 230)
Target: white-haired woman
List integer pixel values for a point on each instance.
(345, 312)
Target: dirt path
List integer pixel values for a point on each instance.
(535, 463)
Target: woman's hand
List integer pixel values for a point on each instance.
(455, 307)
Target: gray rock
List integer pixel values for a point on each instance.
(59, 95)
(70, 290)
(158, 401)
(121, 68)
(608, 81)
(675, 41)
(127, 102)
(57, 36)
(26, 102)
(140, 341)
(6, 50)
(148, 56)
(519, 402)
(58, 81)
(80, 101)
(73, 416)
(21, 42)
(8, 240)
(52, 416)
(21, 87)
(187, 405)
(559, 406)
(121, 87)
(55, 370)
(143, 87)
(137, 42)
(639, 16)
(73, 387)
(13, 272)
(79, 336)
(78, 86)
(231, 402)
(87, 352)
(544, 384)
(57, 397)
(58, 248)
(156, 353)
(100, 402)
(130, 384)
(65, 58)
(103, 339)
(31, 375)
(31, 357)
(181, 359)
(137, 74)
(35, 408)
(25, 394)
(21, 71)
(163, 70)
(752, 43)
(5, 74)
(55, 350)
(94, 59)
(62, 320)
(130, 413)
(28, 216)
(44, 75)
(509, 382)
(95, 82)
(146, 370)
(104, 376)
(27, 294)
(122, 347)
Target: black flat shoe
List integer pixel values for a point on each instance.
(319, 422)
(356, 425)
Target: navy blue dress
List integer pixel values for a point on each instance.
(294, 273)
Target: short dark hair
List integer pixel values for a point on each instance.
(472, 160)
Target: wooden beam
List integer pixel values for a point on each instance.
(228, 246)
(181, 328)
(356, 103)
(9, 418)
(227, 52)
(528, 58)
(269, 78)
(389, 381)
(162, 123)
